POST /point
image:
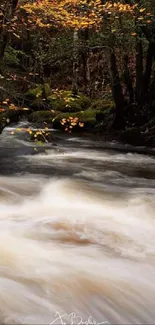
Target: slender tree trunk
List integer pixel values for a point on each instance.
(148, 69)
(139, 70)
(151, 92)
(41, 68)
(119, 121)
(75, 63)
(127, 79)
(88, 76)
(3, 43)
(86, 60)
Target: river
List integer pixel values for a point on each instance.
(77, 233)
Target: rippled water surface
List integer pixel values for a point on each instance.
(77, 233)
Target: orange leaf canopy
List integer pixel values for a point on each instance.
(72, 13)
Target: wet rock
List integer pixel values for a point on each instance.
(83, 120)
(133, 136)
(10, 116)
(41, 116)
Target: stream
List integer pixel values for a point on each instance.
(77, 232)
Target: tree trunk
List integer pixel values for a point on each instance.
(41, 68)
(88, 77)
(3, 43)
(86, 60)
(127, 80)
(139, 70)
(119, 121)
(148, 70)
(151, 93)
(75, 63)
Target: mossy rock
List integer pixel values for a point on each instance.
(37, 92)
(3, 94)
(11, 57)
(87, 118)
(10, 116)
(34, 93)
(61, 106)
(39, 104)
(100, 116)
(65, 102)
(13, 115)
(102, 104)
(41, 116)
(83, 101)
(56, 104)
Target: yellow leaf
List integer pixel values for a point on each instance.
(142, 10)
(16, 35)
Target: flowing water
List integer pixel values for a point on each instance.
(77, 233)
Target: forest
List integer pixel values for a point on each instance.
(80, 66)
(77, 162)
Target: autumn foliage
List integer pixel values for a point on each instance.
(104, 49)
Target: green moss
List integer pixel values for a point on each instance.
(34, 93)
(13, 115)
(61, 100)
(102, 104)
(11, 57)
(41, 116)
(87, 117)
(56, 104)
(100, 115)
(64, 102)
(39, 104)
(9, 117)
(47, 89)
(83, 101)
(37, 92)
(82, 115)
(62, 106)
